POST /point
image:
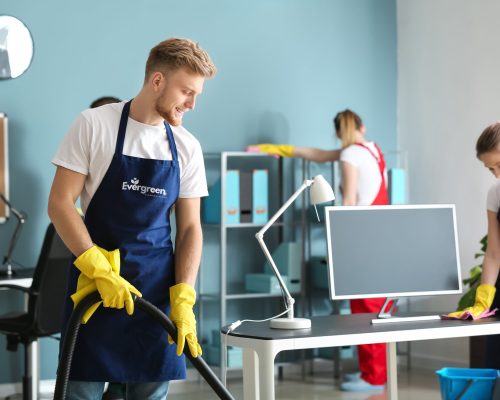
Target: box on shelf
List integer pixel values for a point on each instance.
(288, 259)
(264, 283)
(467, 383)
(234, 356)
(345, 352)
(318, 272)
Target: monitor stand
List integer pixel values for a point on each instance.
(385, 317)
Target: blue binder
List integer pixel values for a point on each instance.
(260, 196)
(397, 186)
(211, 205)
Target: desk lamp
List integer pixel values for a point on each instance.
(321, 192)
(21, 219)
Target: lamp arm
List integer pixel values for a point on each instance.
(260, 238)
(289, 299)
(287, 204)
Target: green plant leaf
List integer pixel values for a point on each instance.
(484, 243)
(467, 300)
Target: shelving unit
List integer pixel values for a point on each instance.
(226, 259)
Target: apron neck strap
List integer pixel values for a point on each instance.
(123, 127)
(171, 140)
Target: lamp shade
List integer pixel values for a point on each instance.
(321, 191)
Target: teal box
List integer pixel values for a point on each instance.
(260, 196)
(397, 186)
(467, 383)
(211, 205)
(234, 356)
(264, 283)
(288, 260)
(345, 352)
(318, 272)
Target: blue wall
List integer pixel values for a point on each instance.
(285, 68)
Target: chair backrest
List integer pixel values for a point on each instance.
(48, 291)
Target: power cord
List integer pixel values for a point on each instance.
(232, 327)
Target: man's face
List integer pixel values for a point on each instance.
(491, 160)
(178, 95)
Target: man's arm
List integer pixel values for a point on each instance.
(188, 241)
(66, 189)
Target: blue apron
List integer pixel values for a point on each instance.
(130, 211)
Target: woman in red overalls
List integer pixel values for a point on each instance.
(364, 182)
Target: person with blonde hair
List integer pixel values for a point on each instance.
(363, 182)
(488, 152)
(129, 163)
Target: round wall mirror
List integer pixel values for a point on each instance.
(16, 47)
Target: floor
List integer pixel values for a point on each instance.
(417, 385)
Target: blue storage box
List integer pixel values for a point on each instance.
(467, 383)
(234, 356)
(264, 283)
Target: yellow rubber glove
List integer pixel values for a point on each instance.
(484, 298)
(283, 150)
(182, 299)
(115, 291)
(86, 285)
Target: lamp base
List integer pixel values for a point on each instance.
(290, 323)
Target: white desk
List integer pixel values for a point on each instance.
(261, 344)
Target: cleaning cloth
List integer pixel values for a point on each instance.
(468, 315)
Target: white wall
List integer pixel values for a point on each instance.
(448, 91)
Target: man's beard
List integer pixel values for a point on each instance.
(167, 114)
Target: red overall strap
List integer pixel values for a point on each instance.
(372, 357)
(382, 197)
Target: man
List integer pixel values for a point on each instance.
(130, 163)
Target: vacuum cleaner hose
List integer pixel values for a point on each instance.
(73, 328)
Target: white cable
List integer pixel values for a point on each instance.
(230, 329)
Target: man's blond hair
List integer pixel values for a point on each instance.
(175, 53)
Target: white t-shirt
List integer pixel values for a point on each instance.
(493, 198)
(369, 178)
(89, 145)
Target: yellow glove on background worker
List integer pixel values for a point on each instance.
(101, 271)
(484, 298)
(283, 150)
(182, 299)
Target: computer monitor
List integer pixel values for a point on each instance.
(392, 251)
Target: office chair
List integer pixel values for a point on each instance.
(46, 299)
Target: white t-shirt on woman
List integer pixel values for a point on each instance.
(493, 198)
(369, 178)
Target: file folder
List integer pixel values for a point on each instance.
(211, 205)
(260, 196)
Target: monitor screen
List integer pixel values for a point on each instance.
(392, 251)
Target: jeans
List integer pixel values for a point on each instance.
(78, 390)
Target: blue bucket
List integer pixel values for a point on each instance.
(467, 383)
